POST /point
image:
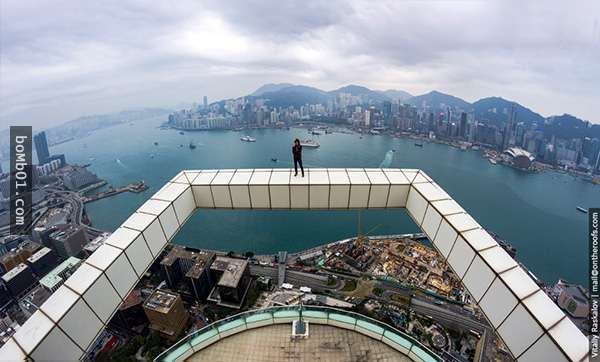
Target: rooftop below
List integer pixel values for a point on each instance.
(273, 344)
(264, 335)
(232, 269)
(160, 301)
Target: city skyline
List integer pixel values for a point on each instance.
(542, 57)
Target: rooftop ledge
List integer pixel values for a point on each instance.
(528, 321)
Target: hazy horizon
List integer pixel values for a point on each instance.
(63, 60)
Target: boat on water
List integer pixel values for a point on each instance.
(181, 132)
(316, 133)
(192, 145)
(374, 132)
(581, 209)
(492, 161)
(309, 144)
(274, 159)
(418, 144)
(156, 143)
(248, 139)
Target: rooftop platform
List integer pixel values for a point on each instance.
(264, 335)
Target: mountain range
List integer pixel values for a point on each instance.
(494, 110)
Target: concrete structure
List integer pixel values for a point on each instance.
(166, 313)
(57, 276)
(18, 255)
(190, 264)
(68, 240)
(573, 299)
(18, 280)
(42, 262)
(533, 327)
(233, 280)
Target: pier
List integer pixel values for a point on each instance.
(135, 187)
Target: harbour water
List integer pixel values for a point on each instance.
(535, 212)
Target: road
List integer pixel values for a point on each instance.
(300, 279)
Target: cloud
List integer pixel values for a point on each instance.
(60, 60)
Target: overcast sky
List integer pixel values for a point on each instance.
(64, 59)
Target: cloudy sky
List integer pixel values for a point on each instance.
(64, 59)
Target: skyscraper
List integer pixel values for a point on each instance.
(205, 102)
(463, 125)
(508, 129)
(41, 147)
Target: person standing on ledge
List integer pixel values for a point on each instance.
(297, 152)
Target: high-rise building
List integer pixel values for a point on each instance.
(205, 102)
(463, 125)
(68, 240)
(508, 129)
(191, 265)
(57, 276)
(367, 119)
(42, 262)
(233, 280)
(18, 280)
(166, 313)
(41, 147)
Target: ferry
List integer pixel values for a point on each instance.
(274, 159)
(248, 139)
(181, 133)
(581, 209)
(309, 144)
(374, 132)
(192, 145)
(316, 133)
(156, 143)
(492, 161)
(418, 144)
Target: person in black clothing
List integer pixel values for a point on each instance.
(297, 152)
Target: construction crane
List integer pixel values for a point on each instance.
(360, 237)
